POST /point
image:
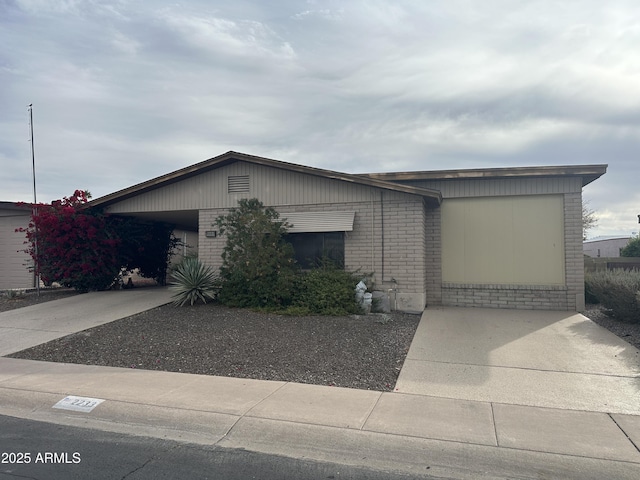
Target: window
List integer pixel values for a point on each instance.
(310, 248)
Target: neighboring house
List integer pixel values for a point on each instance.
(605, 246)
(14, 263)
(502, 237)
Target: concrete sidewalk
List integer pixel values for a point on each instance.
(403, 431)
(420, 433)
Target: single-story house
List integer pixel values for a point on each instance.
(14, 262)
(499, 237)
(609, 246)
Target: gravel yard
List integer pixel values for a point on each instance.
(365, 352)
(629, 332)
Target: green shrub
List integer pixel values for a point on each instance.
(618, 291)
(632, 249)
(259, 271)
(328, 290)
(589, 296)
(295, 311)
(193, 281)
(258, 268)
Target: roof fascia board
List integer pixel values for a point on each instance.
(589, 173)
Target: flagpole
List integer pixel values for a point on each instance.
(34, 211)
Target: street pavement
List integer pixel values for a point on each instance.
(55, 452)
(483, 394)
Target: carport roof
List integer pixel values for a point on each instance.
(431, 196)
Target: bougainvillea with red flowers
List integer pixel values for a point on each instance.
(72, 245)
(83, 248)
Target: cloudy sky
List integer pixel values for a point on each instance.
(126, 90)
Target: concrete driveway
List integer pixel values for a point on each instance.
(29, 326)
(520, 357)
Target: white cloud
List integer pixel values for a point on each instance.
(623, 220)
(124, 90)
(246, 38)
(73, 7)
(125, 43)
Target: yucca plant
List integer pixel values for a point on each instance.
(193, 281)
(14, 294)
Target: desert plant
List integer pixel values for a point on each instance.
(589, 296)
(258, 268)
(13, 294)
(193, 281)
(618, 291)
(328, 290)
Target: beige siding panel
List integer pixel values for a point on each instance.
(503, 240)
(502, 187)
(272, 186)
(14, 272)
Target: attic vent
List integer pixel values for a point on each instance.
(238, 184)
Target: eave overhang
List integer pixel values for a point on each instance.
(588, 173)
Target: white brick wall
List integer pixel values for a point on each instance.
(574, 259)
(505, 296)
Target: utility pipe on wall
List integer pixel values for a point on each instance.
(382, 234)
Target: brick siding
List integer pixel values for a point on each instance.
(433, 256)
(391, 248)
(403, 252)
(505, 296)
(574, 257)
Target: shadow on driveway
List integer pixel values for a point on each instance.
(540, 358)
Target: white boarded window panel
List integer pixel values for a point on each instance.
(307, 222)
(515, 240)
(238, 184)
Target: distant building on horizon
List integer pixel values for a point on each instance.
(605, 246)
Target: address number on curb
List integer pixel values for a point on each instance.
(78, 404)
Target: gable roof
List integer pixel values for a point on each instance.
(589, 173)
(431, 196)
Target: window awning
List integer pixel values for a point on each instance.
(306, 222)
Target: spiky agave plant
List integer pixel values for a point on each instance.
(193, 281)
